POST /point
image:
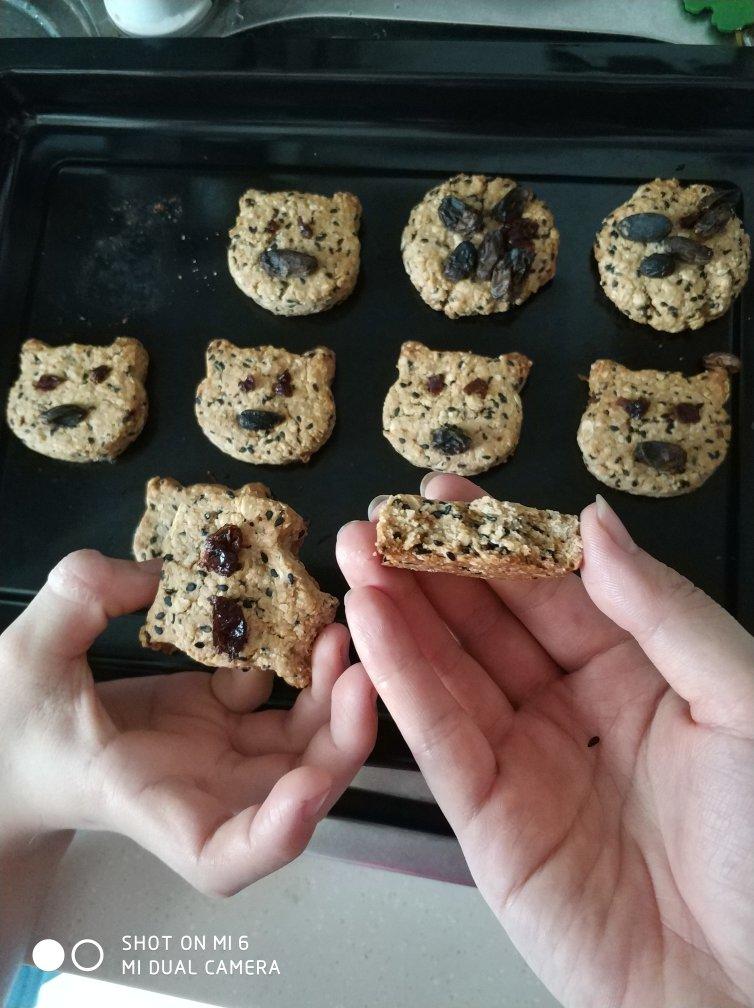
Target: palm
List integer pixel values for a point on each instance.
(181, 768)
(614, 867)
(596, 842)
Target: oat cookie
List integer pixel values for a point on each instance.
(673, 256)
(77, 402)
(476, 245)
(296, 253)
(163, 497)
(265, 405)
(233, 591)
(455, 411)
(483, 538)
(654, 433)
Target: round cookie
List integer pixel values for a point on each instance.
(654, 433)
(455, 411)
(266, 405)
(296, 253)
(520, 232)
(694, 291)
(79, 403)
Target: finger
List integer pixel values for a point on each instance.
(82, 593)
(556, 611)
(463, 677)
(491, 634)
(289, 731)
(340, 746)
(703, 653)
(242, 690)
(450, 750)
(220, 853)
(344, 743)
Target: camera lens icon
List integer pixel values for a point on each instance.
(87, 955)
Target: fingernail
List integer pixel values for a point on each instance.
(374, 505)
(614, 527)
(345, 597)
(426, 480)
(347, 525)
(312, 806)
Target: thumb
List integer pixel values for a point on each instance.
(703, 653)
(82, 593)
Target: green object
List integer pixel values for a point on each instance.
(727, 15)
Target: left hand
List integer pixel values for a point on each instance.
(175, 762)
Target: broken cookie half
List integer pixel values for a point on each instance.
(483, 538)
(233, 592)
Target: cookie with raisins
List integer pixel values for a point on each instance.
(233, 592)
(164, 496)
(79, 403)
(455, 411)
(265, 405)
(673, 256)
(476, 245)
(296, 253)
(654, 433)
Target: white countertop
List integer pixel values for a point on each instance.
(343, 935)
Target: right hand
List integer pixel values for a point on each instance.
(622, 870)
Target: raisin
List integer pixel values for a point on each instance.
(67, 415)
(478, 386)
(521, 232)
(229, 630)
(636, 408)
(713, 220)
(283, 385)
(501, 281)
(722, 359)
(450, 440)
(659, 264)
(273, 226)
(520, 261)
(435, 384)
(458, 216)
(99, 373)
(688, 412)
(644, 227)
(492, 248)
(708, 202)
(461, 262)
(304, 228)
(247, 384)
(259, 419)
(665, 456)
(688, 250)
(285, 263)
(512, 205)
(48, 382)
(221, 549)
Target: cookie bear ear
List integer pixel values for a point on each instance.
(718, 382)
(522, 367)
(602, 375)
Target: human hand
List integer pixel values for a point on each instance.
(622, 870)
(172, 761)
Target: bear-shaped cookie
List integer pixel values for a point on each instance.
(264, 404)
(77, 402)
(455, 411)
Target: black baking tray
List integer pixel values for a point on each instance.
(121, 163)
